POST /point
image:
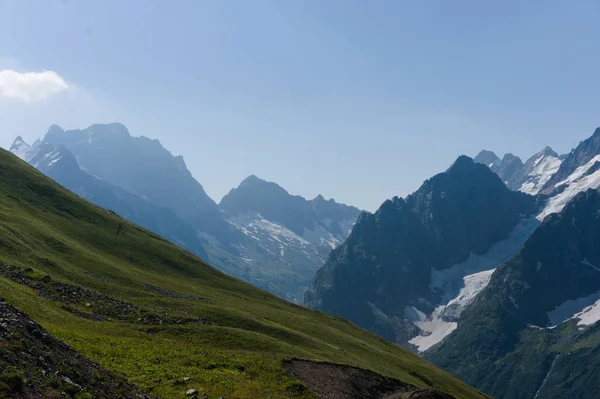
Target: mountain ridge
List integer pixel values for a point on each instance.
(146, 309)
(273, 239)
(525, 298)
(384, 270)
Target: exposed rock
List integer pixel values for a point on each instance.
(384, 269)
(33, 364)
(335, 381)
(89, 304)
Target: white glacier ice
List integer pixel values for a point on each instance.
(460, 284)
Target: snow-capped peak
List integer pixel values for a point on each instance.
(538, 170)
(23, 150)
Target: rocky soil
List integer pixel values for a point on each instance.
(89, 304)
(334, 381)
(33, 364)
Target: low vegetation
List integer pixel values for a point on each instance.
(157, 315)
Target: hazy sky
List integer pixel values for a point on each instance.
(357, 100)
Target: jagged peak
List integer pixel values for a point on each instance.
(395, 204)
(114, 128)
(549, 151)
(53, 129)
(509, 157)
(54, 132)
(486, 156)
(254, 182)
(18, 142)
(463, 162)
(252, 179)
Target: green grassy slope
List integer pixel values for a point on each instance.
(237, 354)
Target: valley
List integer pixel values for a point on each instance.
(156, 314)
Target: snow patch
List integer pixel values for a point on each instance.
(460, 285)
(54, 161)
(433, 328)
(24, 150)
(252, 223)
(320, 236)
(544, 168)
(500, 252)
(589, 315)
(587, 309)
(575, 183)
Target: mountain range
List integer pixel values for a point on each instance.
(401, 271)
(90, 299)
(259, 232)
(489, 270)
(533, 331)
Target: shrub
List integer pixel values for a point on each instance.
(13, 380)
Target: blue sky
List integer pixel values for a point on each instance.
(357, 100)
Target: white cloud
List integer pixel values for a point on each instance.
(30, 86)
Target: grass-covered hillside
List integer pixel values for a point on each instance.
(154, 313)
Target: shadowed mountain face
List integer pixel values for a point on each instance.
(532, 331)
(383, 274)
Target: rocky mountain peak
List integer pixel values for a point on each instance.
(548, 151)
(55, 129)
(386, 265)
(488, 158)
(109, 129)
(23, 150)
(254, 182)
(539, 306)
(18, 142)
(463, 170)
(583, 156)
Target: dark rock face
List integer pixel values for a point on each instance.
(385, 264)
(502, 346)
(510, 171)
(33, 364)
(509, 168)
(335, 381)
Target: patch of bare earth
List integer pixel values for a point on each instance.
(335, 381)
